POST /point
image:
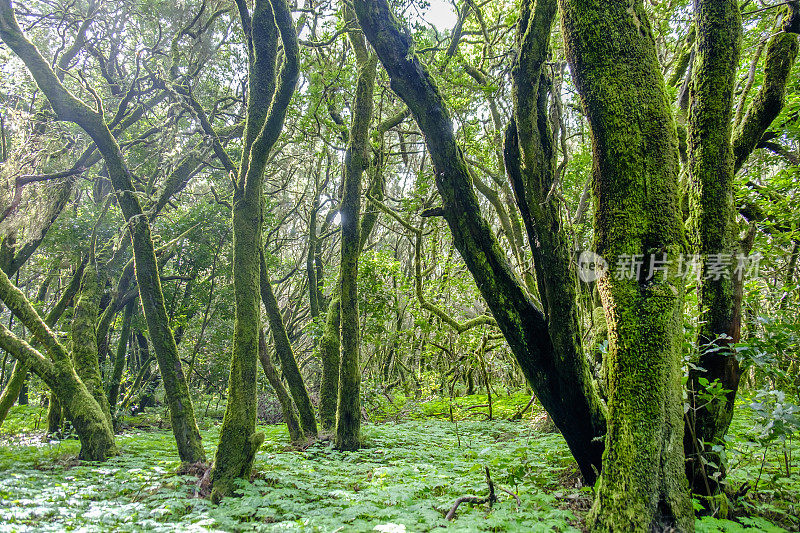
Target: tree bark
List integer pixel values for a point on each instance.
(287, 406)
(348, 404)
(523, 325)
(716, 154)
(636, 164)
(120, 356)
(713, 231)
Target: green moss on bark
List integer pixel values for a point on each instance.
(348, 404)
(84, 339)
(612, 55)
(713, 230)
(285, 353)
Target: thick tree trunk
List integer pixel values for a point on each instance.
(716, 153)
(643, 485)
(531, 164)
(713, 231)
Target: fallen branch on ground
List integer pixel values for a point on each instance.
(475, 500)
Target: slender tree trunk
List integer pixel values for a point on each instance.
(283, 349)
(266, 112)
(348, 404)
(120, 356)
(329, 350)
(287, 406)
(636, 164)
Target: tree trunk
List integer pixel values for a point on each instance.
(348, 404)
(266, 112)
(329, 350)
(636, 164)
(84, 339)
(287, 406)
(120, 356)
(17, 380)
(713, 232)
(283, 349)
(12, 390)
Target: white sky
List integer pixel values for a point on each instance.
(441, 14)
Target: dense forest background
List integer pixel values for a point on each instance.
(169, 167)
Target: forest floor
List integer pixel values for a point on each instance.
(405, 479)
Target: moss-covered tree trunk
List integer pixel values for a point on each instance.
(713, 232)
(84, 339)
(642, 486)
(68, 107)
(530, 154)
(329, 350)
(523, 325)
(348, 404)
(266, 112)
(17, 378)
(92, 425)
(120, 356)
(329, 346)
(717, 151)
(287, 406)
(11, 392)
(285, 353)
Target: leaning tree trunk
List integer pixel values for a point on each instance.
(68, 107)
(636, 165)
(531, 164)
(93, 427)
(296, 434)
(285, 353)
(11, 392)
(17, 379)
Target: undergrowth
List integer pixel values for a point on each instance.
(405, 479)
